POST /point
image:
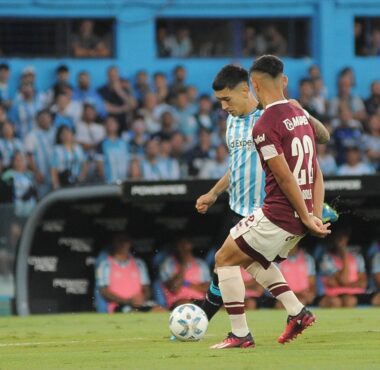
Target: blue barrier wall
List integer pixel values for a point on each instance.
(332, 42)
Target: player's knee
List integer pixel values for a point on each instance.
(220, 258)
(350, 301)
(376, 300)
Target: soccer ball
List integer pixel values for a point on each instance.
(188, 322)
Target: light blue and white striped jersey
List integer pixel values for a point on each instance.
(7, 150)
(115, 157)
(64, 159)
(247, 179)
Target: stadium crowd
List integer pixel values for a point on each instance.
(334, 275)
(153, 128)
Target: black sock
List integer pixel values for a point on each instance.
(213, 301)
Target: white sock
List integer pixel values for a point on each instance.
(232, 287)
(273, 280)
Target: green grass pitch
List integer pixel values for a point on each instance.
(340, 339)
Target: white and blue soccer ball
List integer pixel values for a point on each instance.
(188, 322)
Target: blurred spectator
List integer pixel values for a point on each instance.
(89, 134)
(118, 101)
(163, 42)
(83, 93)
(299, 271)
(254, 44)
(9, 145)
(180, 45)
(179, 81)
(371, 141)
(28, 76)
(216, 168)
(343, 273)
(374, 48)
(135, 171)
(375, 270)
(360, 40)
(122, 281)
(86, 44)
(137, 138)
(153, 167)
(354, 166)
(314, 72)
(150, 113)
(39, 148)
(170, 165)
(306, 95)
(22, 184)
(347, 134)
(168, 126)
(354, 102)
(326, 160)
(112, 155)
(178, 152)
(192, 98)
(62, 82)
(3, 116)
(219, 134)
(68, 164)
(253, 290)
(24, 110)
(160, 87)
(319, 102)
(60, 114)
(5, 97)
(373, 102)
(205, 116)
(186, 121)
(141, 87)
(349, 74)
(184, 276)
(276, 43)
(201, 153)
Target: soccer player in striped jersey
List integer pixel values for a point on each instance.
(245, 179)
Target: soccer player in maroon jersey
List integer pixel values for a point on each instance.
(284, 139)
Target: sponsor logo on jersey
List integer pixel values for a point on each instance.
(295, 122)
(242, 143)
(259, 139)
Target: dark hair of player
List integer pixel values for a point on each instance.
(229, 77)
(269, 64)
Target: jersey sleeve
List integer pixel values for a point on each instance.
(145, 280)
(167, 269)
(267, 138)
(310, 265)
(54, 159)
(103, 274)
(360, 263)
(376, 264)
(327, 266)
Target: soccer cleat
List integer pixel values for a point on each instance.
(329, 214)
(296, 325)
(232, 341)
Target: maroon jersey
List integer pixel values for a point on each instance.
(285, 129)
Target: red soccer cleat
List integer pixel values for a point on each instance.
(232, 341)
(296, 325)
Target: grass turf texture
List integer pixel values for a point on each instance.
(341, 339)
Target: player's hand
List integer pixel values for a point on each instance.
(316, 227)
(205, 201)
(295, 102)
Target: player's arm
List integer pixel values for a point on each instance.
(205, 201)
(289, 186)
(111, 297)
(318, 193)
(322, 135)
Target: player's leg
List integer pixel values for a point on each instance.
(228, 260)
(213, 300)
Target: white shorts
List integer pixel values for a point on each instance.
(262, 240)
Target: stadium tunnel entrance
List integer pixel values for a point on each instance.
(64, 235)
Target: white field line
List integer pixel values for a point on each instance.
(21, 344)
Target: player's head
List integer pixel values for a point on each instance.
(232, 89)
(267, 77)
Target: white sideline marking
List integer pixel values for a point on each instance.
(21, 344)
